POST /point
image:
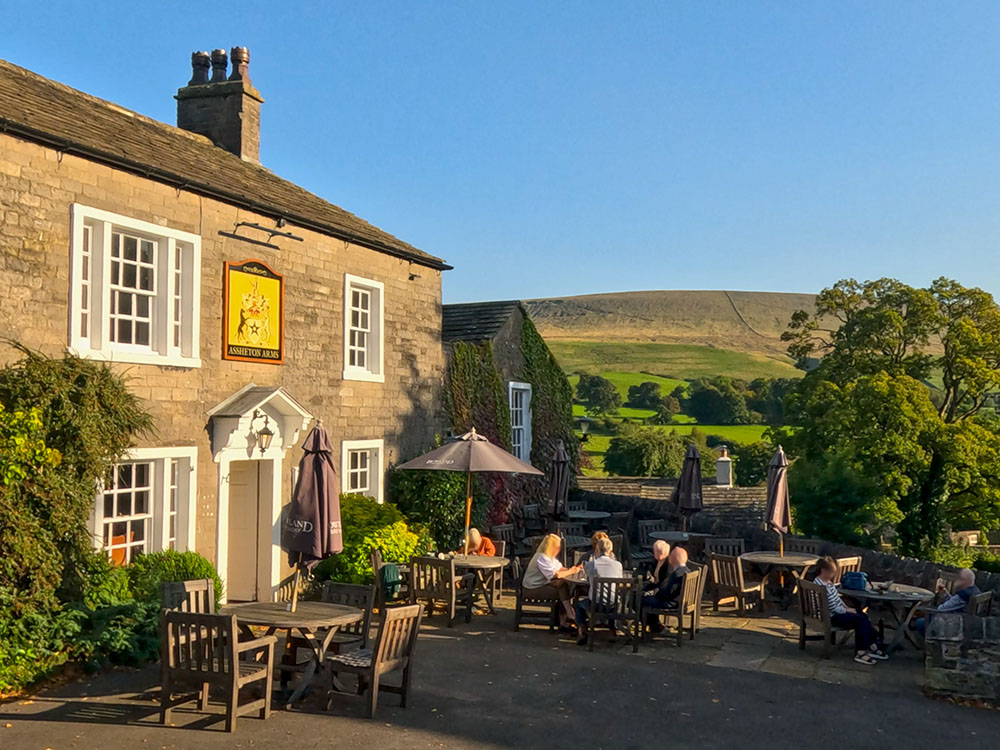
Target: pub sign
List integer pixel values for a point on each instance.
(253, 313)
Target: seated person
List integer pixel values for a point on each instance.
(596, 537)
(480, 545)
(661, 553)
(866, 643)
(546, 576)
(602, 565)
(965, 589)
(665, 594)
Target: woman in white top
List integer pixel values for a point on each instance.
(545, 576)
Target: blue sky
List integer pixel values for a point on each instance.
(567, 148)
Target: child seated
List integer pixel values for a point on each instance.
(866, 642)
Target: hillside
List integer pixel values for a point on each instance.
(738, 321)
(674, 334)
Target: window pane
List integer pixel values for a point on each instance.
(146, 255)
(146, 279)
(142, 333)
(124, 332)
(130, 247)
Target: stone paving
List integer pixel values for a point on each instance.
(742, 683)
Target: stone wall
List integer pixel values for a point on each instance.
(739, 512)
(38, 186)
(963, 657)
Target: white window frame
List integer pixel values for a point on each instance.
(376, 465)
(524, 388)
(90, 270)
(374, 371)
(159, 508)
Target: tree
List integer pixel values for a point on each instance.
(598, 395)
(878, 455)
(717, 401)
(645, 452)
(644, 396)
(750, 462)
(666, 409)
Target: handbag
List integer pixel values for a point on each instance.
(854, 580)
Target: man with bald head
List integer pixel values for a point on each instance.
(965, 589)
(666, 594)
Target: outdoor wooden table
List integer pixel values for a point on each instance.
(315, 622)
(588, 515)
(900, 600)
(796, 563)
(482, 565)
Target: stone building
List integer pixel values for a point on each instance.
(121, 239)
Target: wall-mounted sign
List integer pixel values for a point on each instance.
(253, 313)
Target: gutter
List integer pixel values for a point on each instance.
(156, 173)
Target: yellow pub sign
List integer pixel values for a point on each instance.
(253, 314)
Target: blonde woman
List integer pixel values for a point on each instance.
(545, 575)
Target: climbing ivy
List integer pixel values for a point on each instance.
(475, 395)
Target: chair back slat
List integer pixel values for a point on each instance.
(189, 596)
(501, 547)
(531, 512)
(813, 603)
(576, 505)
(805, 546)
(352, 595)
(727, 571)
(503, 532)
(397, 636)
(570, 528)
(199, 644)
(948, 580)
(431, 578)
(980, 604)
(732, 547)
(615, 596)
(689, 592)
(647, 527)
(620, 521)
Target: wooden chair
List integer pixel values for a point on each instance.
(618, 546)
(732, 547)
(528, 603)
(948, 579)
(805, 546)
(532, 515)
(688, 606)
(728, 582)
(381, 595)
(392, 652)
(980, 604)
(570, 528)
(504, 532)
(648, 527)
(189, 596)
(620, 522)
(356, 634)
(493, 578)
(576, 505)
(814, 611)
(700, 594)
(201, 650)
(847, 565)
(616, 603)
(433, 580)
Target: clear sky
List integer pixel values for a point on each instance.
(566, 148)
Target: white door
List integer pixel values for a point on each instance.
(244, 531)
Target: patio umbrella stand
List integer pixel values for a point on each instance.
(687, 493)
(778, 513)
(471, 453)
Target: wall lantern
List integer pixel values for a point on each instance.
(265, 434)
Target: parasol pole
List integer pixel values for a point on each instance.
(684, 522)
(781, 544)
(295, 585)
(468, 509)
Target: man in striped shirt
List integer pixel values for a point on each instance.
(868, 649)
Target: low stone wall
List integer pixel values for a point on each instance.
(963, 657)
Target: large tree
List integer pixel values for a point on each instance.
(879, 452)
(598, 395)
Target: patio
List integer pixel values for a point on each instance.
(742, 682)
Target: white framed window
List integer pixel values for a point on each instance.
(135, 290)
(364, 336)
(146, 503)
(361, 467)
(519, 397)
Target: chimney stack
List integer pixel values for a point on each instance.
(224, 109)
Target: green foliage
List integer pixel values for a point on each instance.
(750, 462)
(955, 555)
(717, 401)
(651, 452)
(646, 395)
(371, 525)
(436, 500)
(147, 573)
(475, 395)
(986, 560)
(597, 395)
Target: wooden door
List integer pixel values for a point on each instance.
(244, 514)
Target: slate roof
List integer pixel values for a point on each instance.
(39, 109)
(475, 321)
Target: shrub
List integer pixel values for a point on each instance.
(751, 462)
(369, 525)
(436, 499)
(148, 572)
(987, 561)
(127, 633)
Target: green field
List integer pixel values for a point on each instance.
(672, 362)
(597, 445)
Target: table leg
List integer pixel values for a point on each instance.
(487, 590)
(319, 648)
(903, 627)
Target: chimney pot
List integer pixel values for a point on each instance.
(241, 64)
(200, 63)
(219, 64)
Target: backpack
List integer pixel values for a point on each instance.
(854, 580)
